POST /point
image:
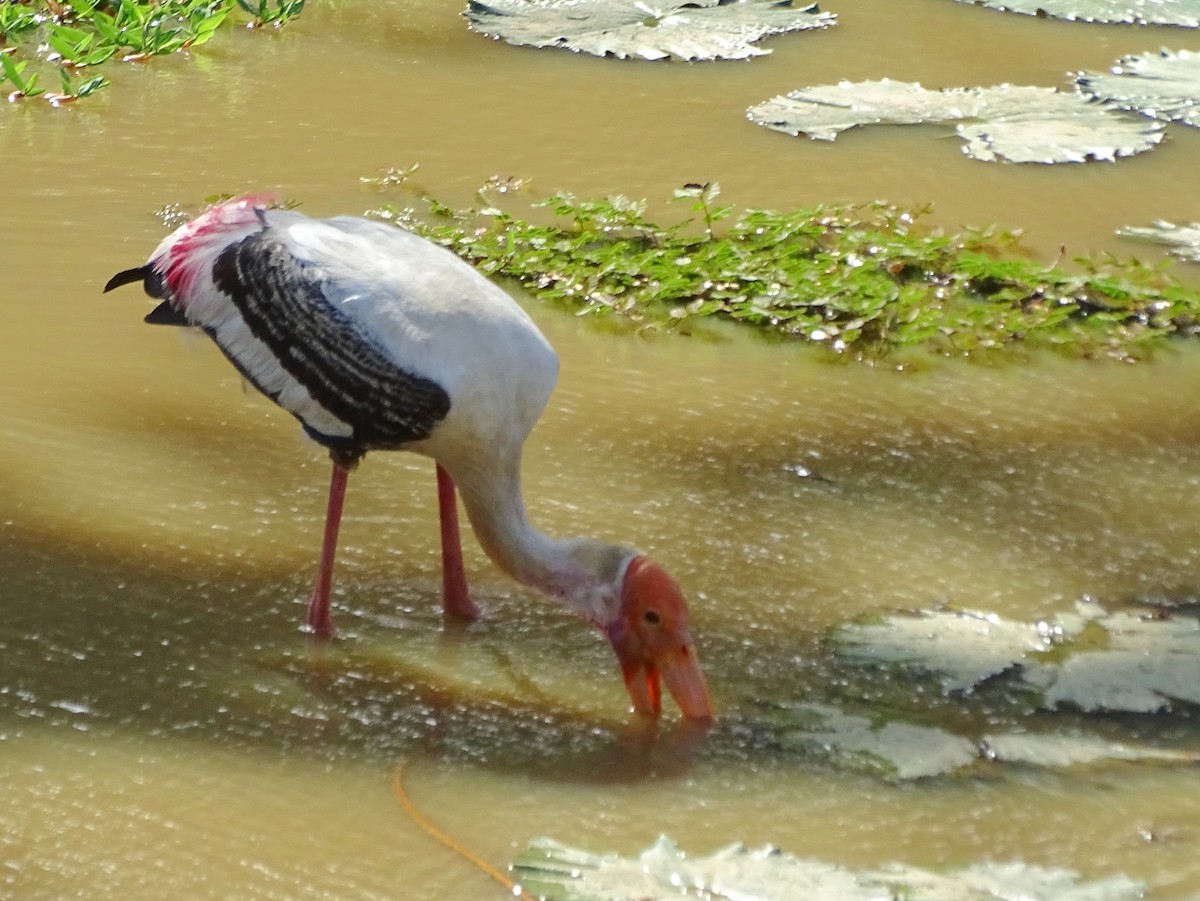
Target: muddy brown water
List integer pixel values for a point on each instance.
(166, 729)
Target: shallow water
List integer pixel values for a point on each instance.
(168, 730)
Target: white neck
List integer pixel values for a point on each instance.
(585, 575)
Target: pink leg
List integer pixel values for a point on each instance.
(319, 620)
(456, 599)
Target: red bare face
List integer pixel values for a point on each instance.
(654, 644)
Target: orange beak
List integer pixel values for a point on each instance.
(681, 673)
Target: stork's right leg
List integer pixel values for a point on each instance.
(456, 599)
(319, 620)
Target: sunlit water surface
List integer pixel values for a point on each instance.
(167, 729)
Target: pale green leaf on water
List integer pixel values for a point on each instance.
(558, 872)
(962, 647)
(1183, 240)
(1164, 85)
(1020, 124)
(682, 29)
(1135, 661)
(905, 751)
(1062, 751)
(1150, 661)
(1003, 882)
(1184, 13)
(898, 750)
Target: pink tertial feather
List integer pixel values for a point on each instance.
(188, 252)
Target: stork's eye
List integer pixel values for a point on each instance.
(652, 617)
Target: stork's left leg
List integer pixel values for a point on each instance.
(319, 619)
(456, 599)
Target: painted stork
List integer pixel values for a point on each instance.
(377, 339)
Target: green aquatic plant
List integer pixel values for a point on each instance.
(15, 19)
(73, 89)
(266, 12)
(77, 47)
(69, 35)
(860, 280)
(146, 30)
(14, 73)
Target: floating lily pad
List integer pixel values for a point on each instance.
(1164, 85)
(1064, 751)
(1015, 123)
(1184, 240)
(1149, 662)
(963, 648)
(904, 751)
(691, 30)
(1135, 661)
(1185, 13)
(561, 873)
(899, 750)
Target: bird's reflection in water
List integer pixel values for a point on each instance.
(402, 712)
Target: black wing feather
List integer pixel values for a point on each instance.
(283, 303)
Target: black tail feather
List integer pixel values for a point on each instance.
(166, 314)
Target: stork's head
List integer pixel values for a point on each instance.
(654, 643)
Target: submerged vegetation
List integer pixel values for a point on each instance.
(68, 37)
(860, 280)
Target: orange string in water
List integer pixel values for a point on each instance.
(442, 838)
